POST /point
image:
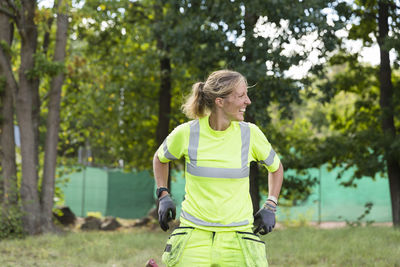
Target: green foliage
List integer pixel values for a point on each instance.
(11, 222)
(354, 116)
(44, 66)
(61, 180)
(110, 97)
(5, 47)
(296, 190)
(367, 11)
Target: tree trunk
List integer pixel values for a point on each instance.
(164, 98)
(53, 120)
(394, 183)
(250, 21)
(386, 104)
(24, 110)
(254, 178)
(9, 169)
(164, 101)
(255, 186)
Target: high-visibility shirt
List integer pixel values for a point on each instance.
(217, 165)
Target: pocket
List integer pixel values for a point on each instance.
(253, 249)
(175, 245)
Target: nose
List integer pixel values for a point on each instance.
(247, 101)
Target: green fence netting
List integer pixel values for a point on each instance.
(131, 195)
(331, 201)
(110, 192)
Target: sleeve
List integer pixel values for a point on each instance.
(262, 150)
(173, 146)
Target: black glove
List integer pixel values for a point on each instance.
(166, 211)
(264, 219)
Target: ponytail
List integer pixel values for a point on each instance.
(194, 106)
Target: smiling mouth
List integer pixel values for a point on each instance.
(242, 110)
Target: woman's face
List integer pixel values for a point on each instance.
(234, 105)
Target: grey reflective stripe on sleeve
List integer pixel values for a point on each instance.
(167, 154)
(198, 221)
(212, 172)
(270, 159)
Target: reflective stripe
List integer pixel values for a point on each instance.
(270, 159)
(194, 141)
(217, 172)
(212, 172)
(167, 154)
(198, 221)
(245, 134)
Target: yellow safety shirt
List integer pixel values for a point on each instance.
(217, 169)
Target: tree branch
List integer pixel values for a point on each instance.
(393, 5)
(7, 13)
(6, 36)
(12, 5)
(46, 37)
(14, 14)
(6, 67)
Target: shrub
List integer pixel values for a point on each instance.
(11, 222)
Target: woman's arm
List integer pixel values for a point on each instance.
(275, 180)
(160, 173)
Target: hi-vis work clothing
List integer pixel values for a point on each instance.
(217, 169)
(197, 247)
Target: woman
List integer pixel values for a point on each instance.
(217, 214)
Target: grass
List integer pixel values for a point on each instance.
(306, 246)
(351, 246)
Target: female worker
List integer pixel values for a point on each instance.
(216, 222)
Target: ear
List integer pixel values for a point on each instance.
(219, 102)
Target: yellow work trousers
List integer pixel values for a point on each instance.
(188, 246)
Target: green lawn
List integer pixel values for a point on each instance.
(359, 246)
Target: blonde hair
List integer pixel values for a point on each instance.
(202, 98)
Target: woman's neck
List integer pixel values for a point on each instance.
(218, 122)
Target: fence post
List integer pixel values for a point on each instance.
(319, 196)
(83, 192)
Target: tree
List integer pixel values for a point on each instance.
(36, 206)
(371, 22)
(8, 178)
(387, 107)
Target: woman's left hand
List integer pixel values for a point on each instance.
(264, 219)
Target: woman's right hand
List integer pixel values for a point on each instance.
(166, 211)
